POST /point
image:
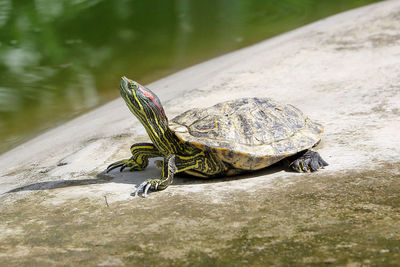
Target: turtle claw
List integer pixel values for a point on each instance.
(139, 189)
(146, 186)
(146, 190)
(310, 161)
(125, 163)
(115, 165)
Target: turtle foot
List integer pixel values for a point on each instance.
(308, 161)
(125, 163)
(159, 164)
(153, 184)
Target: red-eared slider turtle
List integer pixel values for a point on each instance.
(226, 139)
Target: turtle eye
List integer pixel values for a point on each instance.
(132, 85)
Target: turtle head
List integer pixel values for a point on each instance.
(143, 103)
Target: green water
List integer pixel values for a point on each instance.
(60, 58)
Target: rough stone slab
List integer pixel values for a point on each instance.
(58, 207)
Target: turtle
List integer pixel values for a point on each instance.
(229, 138)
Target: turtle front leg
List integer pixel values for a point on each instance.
(141, 152)
(307, 161)
(203, 162)
(168, 170)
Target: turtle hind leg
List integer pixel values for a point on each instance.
(307, 161)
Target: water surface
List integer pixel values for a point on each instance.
(62, 58)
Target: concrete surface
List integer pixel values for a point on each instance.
(59, 208)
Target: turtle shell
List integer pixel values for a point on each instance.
(248, 133)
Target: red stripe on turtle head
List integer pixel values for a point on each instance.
(153, 99)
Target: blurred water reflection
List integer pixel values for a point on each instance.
(61, 58)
